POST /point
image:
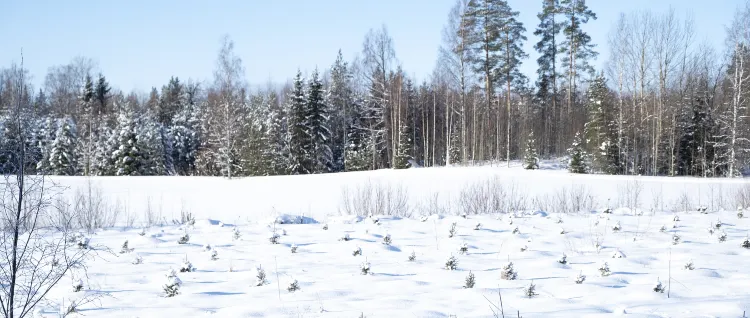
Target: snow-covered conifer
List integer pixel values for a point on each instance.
(387, 239)
(172, 286)
(580, 278)
(577, 163)
(470, 280)
(530, 290)
(186, 266)
(294, 248)
(412, 257)
(78, 285)
(357, 251)
(530, 156)
(292, 285)
(125, 249)
(451, 263)
(508, 272)
(604, 269)
(364, 268)
(464, 248)
(563, 260)
(452, 231)
(260, 276)
(183, 239)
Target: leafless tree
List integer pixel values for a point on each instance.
(33, 258)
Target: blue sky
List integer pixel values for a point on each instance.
(139, 44)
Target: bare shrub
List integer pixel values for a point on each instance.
(490, 196)
(570, 200)
(629, 194)
(432, 205)
(717, 197)
(375, 199)
(684, 204)
(91, 209)
(741, 196)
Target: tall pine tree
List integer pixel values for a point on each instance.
(301, 161)
(317, 126)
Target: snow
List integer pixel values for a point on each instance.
(329, 276)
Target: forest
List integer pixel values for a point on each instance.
(663, 104)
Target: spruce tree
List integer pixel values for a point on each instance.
(530, 157)
(299, 134)
(403, 147)
(339, 98)
(101, 95)
(316, 123)
(127, 159)
(185, 137)
(62, 152)
(599, 129)
(577, 163)
(276, 134)
(357, 151)
(45, 136)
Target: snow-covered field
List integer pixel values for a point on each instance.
(330, 276)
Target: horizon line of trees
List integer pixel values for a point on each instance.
(662, 105)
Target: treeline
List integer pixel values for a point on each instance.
(662, 106)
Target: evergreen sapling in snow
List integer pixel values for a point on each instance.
(260, 276)
(183, 239)
(387, 239)
(412, 257)
(580, 278)
(214, 255)
(577, 163)
(78, 286)
(357, 251)
(364, 268)
(508, 272)
(172, 286)
(463, 249)
(452, 263)
(294, 248)
(530, 290)
(186, 266)
(452, 230)
(658, 287)
(125, 249)
(469, 281)
(563, 260)
(604, 269)
(292, 286)
(530, 157)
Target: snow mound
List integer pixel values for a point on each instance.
(292, 219)
(204, 223)
(630, 212)
(346, 219)
(540, 214)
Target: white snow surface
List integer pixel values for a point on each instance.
(329, 277)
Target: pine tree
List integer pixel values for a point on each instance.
(276, 134)
(62, 153)
(106, 145)
(548, 48)
(45, 136)
(101, 95)
(530, 157)
(86, 126)
(578, 156)
(357, 151)
(403, 147)
(600, 128)
(299, 134)
(339, 98)
(576, 47)
(127, 159)
(316, 123)
(185, 137)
